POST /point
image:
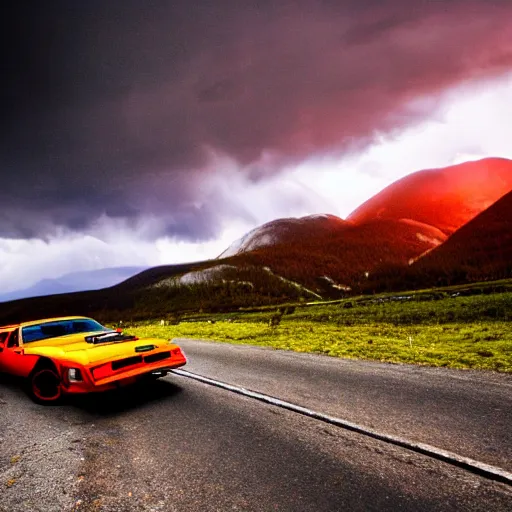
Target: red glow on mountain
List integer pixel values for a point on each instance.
(445, 198)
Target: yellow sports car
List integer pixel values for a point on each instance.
(78, 355)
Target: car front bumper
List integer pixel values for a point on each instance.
(109, 378)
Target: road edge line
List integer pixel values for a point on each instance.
(480, 468)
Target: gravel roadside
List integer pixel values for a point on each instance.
(40, 455)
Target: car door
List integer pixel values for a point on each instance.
(3, 338)
(12, 359)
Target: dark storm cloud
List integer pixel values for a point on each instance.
(113, 109)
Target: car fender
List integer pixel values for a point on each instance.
(34, 358)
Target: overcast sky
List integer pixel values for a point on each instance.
(160, 131)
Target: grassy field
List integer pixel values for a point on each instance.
(436, 329)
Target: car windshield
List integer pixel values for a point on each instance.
(58, 328)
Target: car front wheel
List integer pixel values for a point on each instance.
(44, 386)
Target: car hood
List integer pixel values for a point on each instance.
(74, 348)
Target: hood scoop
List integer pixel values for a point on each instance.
(109, 337)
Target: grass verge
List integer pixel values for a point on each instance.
(476, 345)
(452, 327)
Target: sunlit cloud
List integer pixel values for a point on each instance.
(472, 122)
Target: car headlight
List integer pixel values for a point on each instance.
(75, 375)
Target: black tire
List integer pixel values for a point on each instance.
(44, 385)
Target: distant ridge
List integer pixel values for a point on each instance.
(75, 281)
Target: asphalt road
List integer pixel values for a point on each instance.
(466, 412)
(179, 445)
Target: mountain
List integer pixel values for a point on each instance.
(391, 230)
(479, 250)
(324, 251)
(288, 231)
(76, 281)
(444, 198)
